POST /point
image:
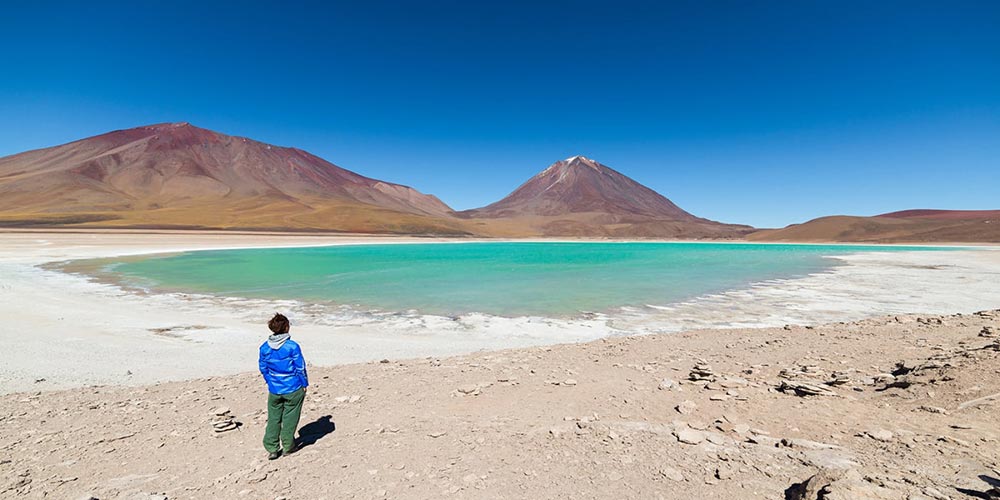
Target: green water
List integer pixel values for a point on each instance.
(508, 279)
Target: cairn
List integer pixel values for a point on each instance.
(223, 420)
(702, 372)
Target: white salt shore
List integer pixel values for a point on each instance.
(62, 330)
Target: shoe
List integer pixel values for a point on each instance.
(274, 455)
(292, 450)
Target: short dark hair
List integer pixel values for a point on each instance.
(279, 323)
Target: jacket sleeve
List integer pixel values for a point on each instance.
(299, 365)
(262, 364)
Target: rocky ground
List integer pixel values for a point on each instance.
(903, 407)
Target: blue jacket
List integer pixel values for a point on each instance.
(283, 368)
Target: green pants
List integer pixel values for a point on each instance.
(283, 412)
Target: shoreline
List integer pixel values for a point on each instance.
(379, 238)
(90, 270)
(138, 339)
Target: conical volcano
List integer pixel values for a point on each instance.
(581, 197)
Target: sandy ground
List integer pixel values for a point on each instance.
(901, 407)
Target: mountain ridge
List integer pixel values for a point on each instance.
(904, 226)
(176, 174)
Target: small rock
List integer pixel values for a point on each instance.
(838, 483)
(569, 381)
(801, 388)
(838, 378)
(689, 436)
(257, 477)
(723, 473)
(880, 435)
(671, 473)
(225, 427)
(715, 438)
(807, 444)
(955, 440)
(667, 384)
(829, 459)
(686, 407)
(764, 440)
(220, 411)
(437, 434)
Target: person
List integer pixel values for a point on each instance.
(284, 370)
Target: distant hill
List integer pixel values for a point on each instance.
(581, 197)
(179, 175)
(908, 226)
(944, 214)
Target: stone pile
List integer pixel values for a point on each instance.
(223, 420)
(702, 372)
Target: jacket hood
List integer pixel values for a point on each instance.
(277, 340)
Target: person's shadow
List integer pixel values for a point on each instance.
(991, 482)
(314, 431)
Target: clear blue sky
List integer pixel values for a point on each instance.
(766, 113)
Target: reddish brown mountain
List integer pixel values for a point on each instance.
(907, 226)
(581, 197)
(178, 175)
(944, 214)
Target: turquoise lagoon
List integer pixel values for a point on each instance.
(505, 279)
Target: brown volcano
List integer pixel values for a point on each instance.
(178, 175)
(581, 197)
